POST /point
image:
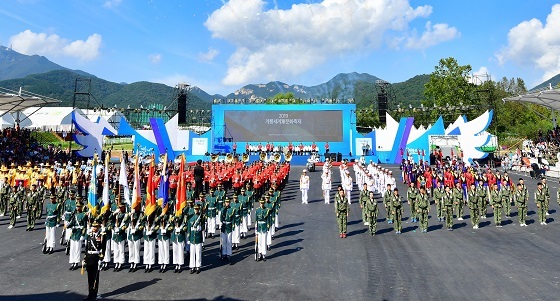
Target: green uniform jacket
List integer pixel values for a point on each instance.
(371, 207)
(52, 213)
(457, 195)
(220, 195)
(226, 217)
(178, 229)
(211, 209)
(540, 197)
(244, 203)
(136, 230)
(78, 225)
(521, 198)
(423, 202)
(121, 224)
(438, 194)
(364, 196)
(69, 208)
(412, 194)
(261, 219)
(495, 198)
(341, 205)
(237, 214)
(195, 229)
(448, 199)
(473, 198)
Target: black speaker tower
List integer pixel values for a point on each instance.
(384, 97)
(382, 107)
(182, 108)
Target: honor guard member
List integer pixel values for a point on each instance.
(397, 209)
(458, 200)
(521, 200)
(50, 223)
(261, 224)
(362, 201)
(304, 186)
(135, 233)
(164, 236)
(326, 185)
(119, 236)
(69, 207)
(473, 206)
(195, 228)
(347, 185)
(387, 196)
(411, 196)
(178, 241)
(95, 244)
(236, 206)
(226, 229)
(342, 210)
(77, 226)
(482, 196)
(371, 212)
(245, 212)
(107, 228)
(423, 205)
(276, 200)
(211, 212)
(448, 208)
(150, 236)
(270, 221)
(32, 202)
(540, 200)
(220, 196)
(20, 198)
(496, 199)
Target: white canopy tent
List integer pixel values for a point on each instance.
(13, 101)
(51, 118)
(549, 98)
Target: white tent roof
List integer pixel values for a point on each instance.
(548, 98)
(11, 101)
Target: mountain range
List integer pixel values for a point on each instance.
(37, 74)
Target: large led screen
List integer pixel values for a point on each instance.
(284, 126)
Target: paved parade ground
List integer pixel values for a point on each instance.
(309, 261)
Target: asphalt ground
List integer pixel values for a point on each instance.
(309, 261)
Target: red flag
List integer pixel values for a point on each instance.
(181, 189)
(150, 197)
(422, 153)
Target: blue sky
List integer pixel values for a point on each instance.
(220, 46)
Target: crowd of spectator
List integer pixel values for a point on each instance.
(19, 146)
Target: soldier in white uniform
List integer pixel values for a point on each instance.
(304, 186)
(326, 185)
(347, 185)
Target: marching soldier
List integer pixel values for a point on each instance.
(32, 202)
(448, 207)
(387, 196)
(497, 204)
(506, 196)
(458, 200)
(245, 211)
(482, 196)
(540, 200)
(342, 210)
(261, 224)
(13, 207)
(547, 194)
(50, 224)
(150, 224)
(4, 194)
(396, 206)
(473, 206)
(195, 228)
(411, 196)
(211, 212)
(236, 232)
(95, 244)
(521, 198)
(439, 192)
(69, 206)
(362, 201)
(76, 226)
(423, 205)
(371, 212)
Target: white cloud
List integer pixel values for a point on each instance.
(276, 43)
(432, 36)
(209, 56)
(154, 58)
(28, 42)
(532, 43)
(111, 3)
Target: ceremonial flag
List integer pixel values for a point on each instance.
(163, 187)
(123, 180)
(136, 192)
(105, 197)
(150, 197)
(181, 189)
(92, 195)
